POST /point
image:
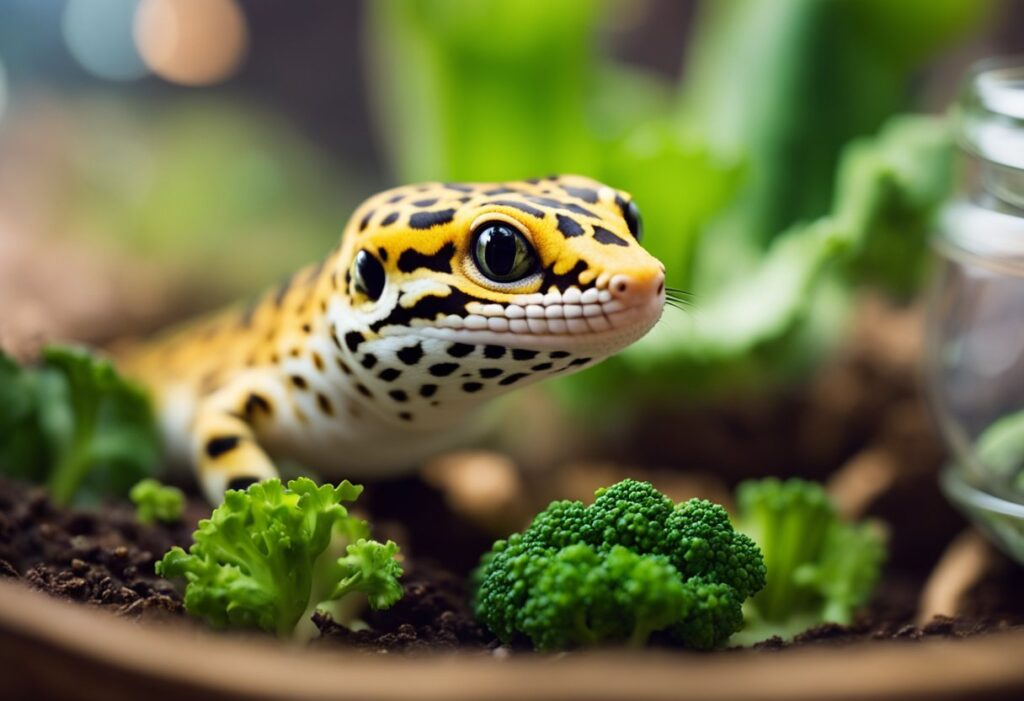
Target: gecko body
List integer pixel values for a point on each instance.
(437, 298)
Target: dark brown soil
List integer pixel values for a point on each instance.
(104, 558)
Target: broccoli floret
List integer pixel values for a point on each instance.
(630, 564)
(157, 502)
(820, 568)
(269, 556)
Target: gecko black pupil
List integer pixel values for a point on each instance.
(631, 213)
(502, 253)
(369, 275)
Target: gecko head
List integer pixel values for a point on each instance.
(496, 284)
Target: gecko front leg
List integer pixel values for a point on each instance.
(225, 450)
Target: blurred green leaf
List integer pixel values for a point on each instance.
(75, 425)
(197, 183)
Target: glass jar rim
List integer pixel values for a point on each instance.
(989, 116)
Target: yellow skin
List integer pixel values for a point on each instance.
(374, 359)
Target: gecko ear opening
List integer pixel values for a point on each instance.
(368, 275)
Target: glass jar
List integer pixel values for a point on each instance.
(975, 329)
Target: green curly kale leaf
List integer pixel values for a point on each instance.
(820, 568)
(75, 425)
(269, 556)
(630, 564)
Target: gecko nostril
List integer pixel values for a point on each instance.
(661, 286)
(621, 287)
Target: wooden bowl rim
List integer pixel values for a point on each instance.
(39, 633)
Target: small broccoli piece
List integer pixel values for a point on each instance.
(269, 556)
(582, 598)
(628, 565)
(157, 502)
(75, 425)
(820, 568)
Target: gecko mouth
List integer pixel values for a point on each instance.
(591, 319)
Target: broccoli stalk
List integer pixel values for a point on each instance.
(270, 556)
(820, 568)
(615, 572)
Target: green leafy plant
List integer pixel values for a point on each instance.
(271, 555)
(820, 568)
(157, 502)
(630, 564)
(75, 425)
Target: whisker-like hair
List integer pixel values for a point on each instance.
(678, 293)
(680, 299)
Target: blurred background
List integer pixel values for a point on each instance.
(160, 157)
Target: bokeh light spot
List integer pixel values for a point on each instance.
(192, 42)
(98, 33)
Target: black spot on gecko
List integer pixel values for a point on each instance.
(389, 374)
(411, 355)
(584, 193)
(440, 262)
(398, 395)
(383, 254)
(532, 211)
(405, 416)
(353, 339)
(361, 388)
(368, 361)
(488, 373)
(299, 381)
(568, 226)
(215, 447)
(472, 387)
(460, 350)
(494, 352)
(366, 220)
(343, 366)
(458, 187)
(563, 281)
(443, 369)
(559, 354)
(397, 198)
(325, 404)
(511, 379)
(318, 361)
(389, 219)
(523, 354)
(426, 220)
(558, 204)
(241, 483)
(428, 390)
(602, 235)
(580, 361)
(541, 367)
(257, 402)
(429, 202)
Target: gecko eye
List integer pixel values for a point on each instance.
(368, 275)
(502, 253)
(631, 213)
